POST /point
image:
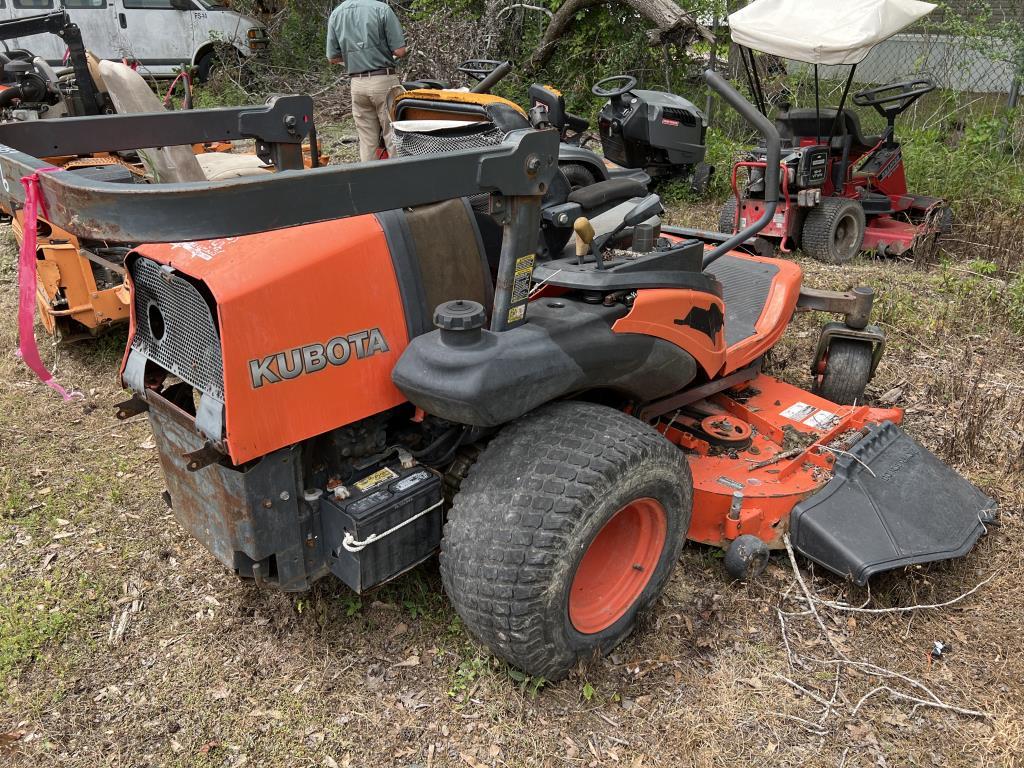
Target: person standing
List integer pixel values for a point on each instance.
(365, 37)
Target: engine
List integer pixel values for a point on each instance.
(30, 90)
(285, 446)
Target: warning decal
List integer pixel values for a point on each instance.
(377, 478)
(521, 283)
(798, 411)
(515, 314)
(822, 421)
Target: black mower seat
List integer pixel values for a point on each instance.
(575, 123)
(797, 123)
(746, 285)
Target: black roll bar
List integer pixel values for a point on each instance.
(523, 165)
(773, 145)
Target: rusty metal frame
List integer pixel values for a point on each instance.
(854, 304)
(522, 166)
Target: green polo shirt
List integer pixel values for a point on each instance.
(365, 33)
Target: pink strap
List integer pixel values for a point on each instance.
(28, 350)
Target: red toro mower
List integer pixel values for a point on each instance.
(556, 428)
(841, 191)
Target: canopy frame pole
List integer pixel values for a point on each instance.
(754, 80)
(750, 77)
(817, 109)
(842, 103)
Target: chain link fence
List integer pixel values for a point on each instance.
(975, 61)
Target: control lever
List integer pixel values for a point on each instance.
(641, 212)
(584, 237)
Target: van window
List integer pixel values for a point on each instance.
(153, 5)
(85, 3)
(33, 3)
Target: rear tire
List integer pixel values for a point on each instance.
(727, 216)
(846, 373)
(519, 559)
(701, 180)
(579, 176)
(945, 220)
(833, 230)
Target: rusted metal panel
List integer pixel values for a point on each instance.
(252, 518)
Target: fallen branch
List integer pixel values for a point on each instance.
(920, 703)
(525, 6)
(791, 453)
(906, 608)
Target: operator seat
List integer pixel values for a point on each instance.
(802, 123)
(131, 94)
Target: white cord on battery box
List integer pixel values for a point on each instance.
(351, 545)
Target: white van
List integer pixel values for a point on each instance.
(161, 35)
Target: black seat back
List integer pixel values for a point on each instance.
(803, 123)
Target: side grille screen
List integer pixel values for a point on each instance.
(684, 117)
(174, 328)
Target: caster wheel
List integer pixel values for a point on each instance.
(746, 558)
(846, 372)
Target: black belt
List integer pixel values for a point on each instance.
(372, 72)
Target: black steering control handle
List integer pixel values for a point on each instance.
(901, 95)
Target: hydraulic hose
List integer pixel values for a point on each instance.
(773, 145)
(496, 76)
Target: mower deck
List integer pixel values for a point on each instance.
(768, 458)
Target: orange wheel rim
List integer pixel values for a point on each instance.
(617, 566)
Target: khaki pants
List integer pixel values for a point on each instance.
(370, 105)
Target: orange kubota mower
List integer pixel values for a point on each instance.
(320, 390)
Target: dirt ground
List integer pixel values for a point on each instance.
(124, 643)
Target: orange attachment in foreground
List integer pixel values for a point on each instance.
(795, 438)
(311, 322)
(617, 566)
(66, 288)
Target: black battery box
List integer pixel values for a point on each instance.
(406, 502)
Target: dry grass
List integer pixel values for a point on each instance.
(211, 672)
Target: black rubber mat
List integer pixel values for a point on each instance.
(745, 286)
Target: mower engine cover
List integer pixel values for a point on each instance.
(307, 341)
(652, 128)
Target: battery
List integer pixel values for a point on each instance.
(389, 499)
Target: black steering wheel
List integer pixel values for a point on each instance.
(478, 69)
(600, 87)
(891, 100)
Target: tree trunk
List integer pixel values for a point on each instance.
(671, 24)
(557, 27)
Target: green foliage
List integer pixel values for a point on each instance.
(973, 167)
(979, 27)
(351, 604)
(980, 282)
(528, 684)
(466, 674)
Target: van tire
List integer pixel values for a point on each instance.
(204, 67)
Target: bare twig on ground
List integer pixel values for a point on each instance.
(906, 608)
(843, 660)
